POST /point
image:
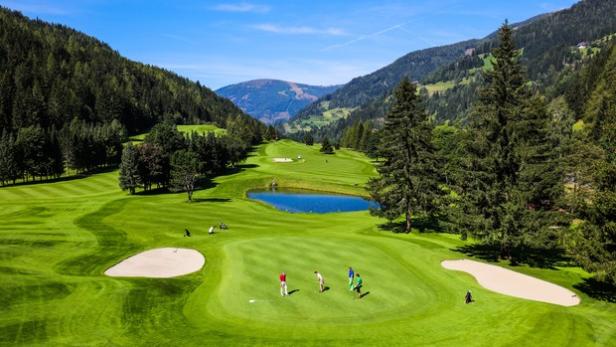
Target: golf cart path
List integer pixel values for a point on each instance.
(159, 263)
(508, 282)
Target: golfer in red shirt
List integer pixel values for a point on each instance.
(283, 284)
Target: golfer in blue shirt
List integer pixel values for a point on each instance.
(351, 277)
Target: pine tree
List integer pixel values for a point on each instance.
(184, 166)
(595, 244)
(326, 147)
(511, 178)
(129, 169)
(8, 165)
(405, 184)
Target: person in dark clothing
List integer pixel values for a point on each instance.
(468, 298)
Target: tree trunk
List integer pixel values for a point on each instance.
(409, 220)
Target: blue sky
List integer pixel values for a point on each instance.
(315, 42)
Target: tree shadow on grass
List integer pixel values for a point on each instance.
(421, 224)
(236, 169)
(533, 256)
(597, 290)
(197, 200)
(77, 176)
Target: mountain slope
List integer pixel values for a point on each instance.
(51, 75)
(271, 101)
(548, 45)
(359, 91)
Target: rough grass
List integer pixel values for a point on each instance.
(56, 240)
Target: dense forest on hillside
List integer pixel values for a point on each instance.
(524, 175)
(51, 74)
(549, 53)
(68, 100)
(415, 65)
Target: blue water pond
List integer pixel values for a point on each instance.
(305, 201)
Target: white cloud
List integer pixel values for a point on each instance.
(241, 7)
(299, 30)
(364, 37)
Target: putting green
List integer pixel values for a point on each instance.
(57, 239)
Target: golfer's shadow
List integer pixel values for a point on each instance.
(293, 291)
(364, 294)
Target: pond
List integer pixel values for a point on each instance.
(306, 201)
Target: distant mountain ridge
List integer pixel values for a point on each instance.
(450, 74)
(272, 101)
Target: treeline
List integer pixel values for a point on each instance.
(169, 159)
(518, 174)
(361, 136)
(35, 153)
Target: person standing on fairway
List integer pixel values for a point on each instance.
(358, 284)
(351, 277)
(283, 284)
(321, 281)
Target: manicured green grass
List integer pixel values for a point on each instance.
(187, 129)
(57, 239)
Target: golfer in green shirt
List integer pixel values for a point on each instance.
(358, 284)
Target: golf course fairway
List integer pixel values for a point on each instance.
(57, 240)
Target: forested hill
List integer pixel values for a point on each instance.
(360, 90)
(51, 75)
(549, 51)
(271, 101)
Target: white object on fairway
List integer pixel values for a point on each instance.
(252, 301)
(159, 263)
(282, 160)
(508, 282)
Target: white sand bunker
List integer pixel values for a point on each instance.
(504, 281)
(159, 263)
(282, 160)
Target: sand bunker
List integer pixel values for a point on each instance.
(282, 160)
(504, 281)
(159, 263)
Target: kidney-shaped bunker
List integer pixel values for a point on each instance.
(159, 263)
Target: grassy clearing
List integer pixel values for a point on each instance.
(57, 239)
(314, 121)
(187, 129)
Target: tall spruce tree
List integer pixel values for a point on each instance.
(510, 178)
(129, 169)
(594, 247)
(405, 185)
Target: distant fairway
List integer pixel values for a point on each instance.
(187, 129)
(57, 239)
